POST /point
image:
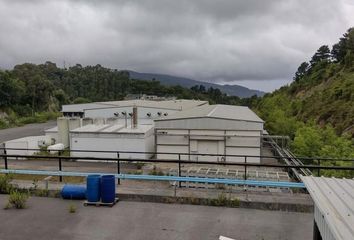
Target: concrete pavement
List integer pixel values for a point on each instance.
(49, 218)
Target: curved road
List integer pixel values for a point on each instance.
(34, 129)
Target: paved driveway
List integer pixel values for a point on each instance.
(25, 131)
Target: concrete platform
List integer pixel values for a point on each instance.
(143, 191)
(49, 218)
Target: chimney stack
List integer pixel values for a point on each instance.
(135, 117)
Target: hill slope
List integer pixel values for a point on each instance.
(231, 90)
(322, 92)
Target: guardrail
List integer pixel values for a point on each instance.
(305, 159)
(60, 158)
(166, 178)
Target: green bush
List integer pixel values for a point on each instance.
(156, 172)
(223, 200)
(17, 199)
(72, 208)
(5, 186)
(39, 118)
(135, 172)
(3, 124)
(139, 165)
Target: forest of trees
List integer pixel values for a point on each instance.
(316, 110)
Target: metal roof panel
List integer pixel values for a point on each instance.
(334, 198)
(230, 112)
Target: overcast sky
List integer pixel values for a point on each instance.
(255, 43)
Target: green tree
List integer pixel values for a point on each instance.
(323, 54)
(11, 90)
(301, 71)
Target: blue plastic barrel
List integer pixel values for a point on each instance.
(73, 192)
(108, 188)
(93, 186)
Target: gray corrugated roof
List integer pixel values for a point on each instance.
(180, 104)
(335, 200)
(216, 111)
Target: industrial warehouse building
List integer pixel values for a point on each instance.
(210, 129)
(189, 127)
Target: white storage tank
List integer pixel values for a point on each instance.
(53, 149)
(63, 131)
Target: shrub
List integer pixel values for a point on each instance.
(72, 208)
(42, 192)
(5, 186)
(156, 172)
(3, 124)
(17, 199)
(222, 200)
(135, 172)
(139, 165)
(7, 206)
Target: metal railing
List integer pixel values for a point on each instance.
(179, 161)
(289, 158)
(180, 153)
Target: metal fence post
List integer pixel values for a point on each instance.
(179, 169)
(245, 177)
(118, 167)
(5, 159)
(318, 170)
(60, 167)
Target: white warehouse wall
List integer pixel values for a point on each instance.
(221, 142)
(112, 142)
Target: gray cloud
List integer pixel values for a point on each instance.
(217, 41)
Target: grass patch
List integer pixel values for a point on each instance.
(13, 120)
(17, 200)
(135, 172)
(36, 178)
(72, 208)
(222, 200)
(5, 179)
(139, 165)
(156, 172)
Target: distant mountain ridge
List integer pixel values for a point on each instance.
(232, 90)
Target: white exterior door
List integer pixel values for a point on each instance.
(208, 147)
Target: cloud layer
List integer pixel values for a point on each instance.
(216, 41)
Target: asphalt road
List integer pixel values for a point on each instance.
(34, 129)
(48, 218)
